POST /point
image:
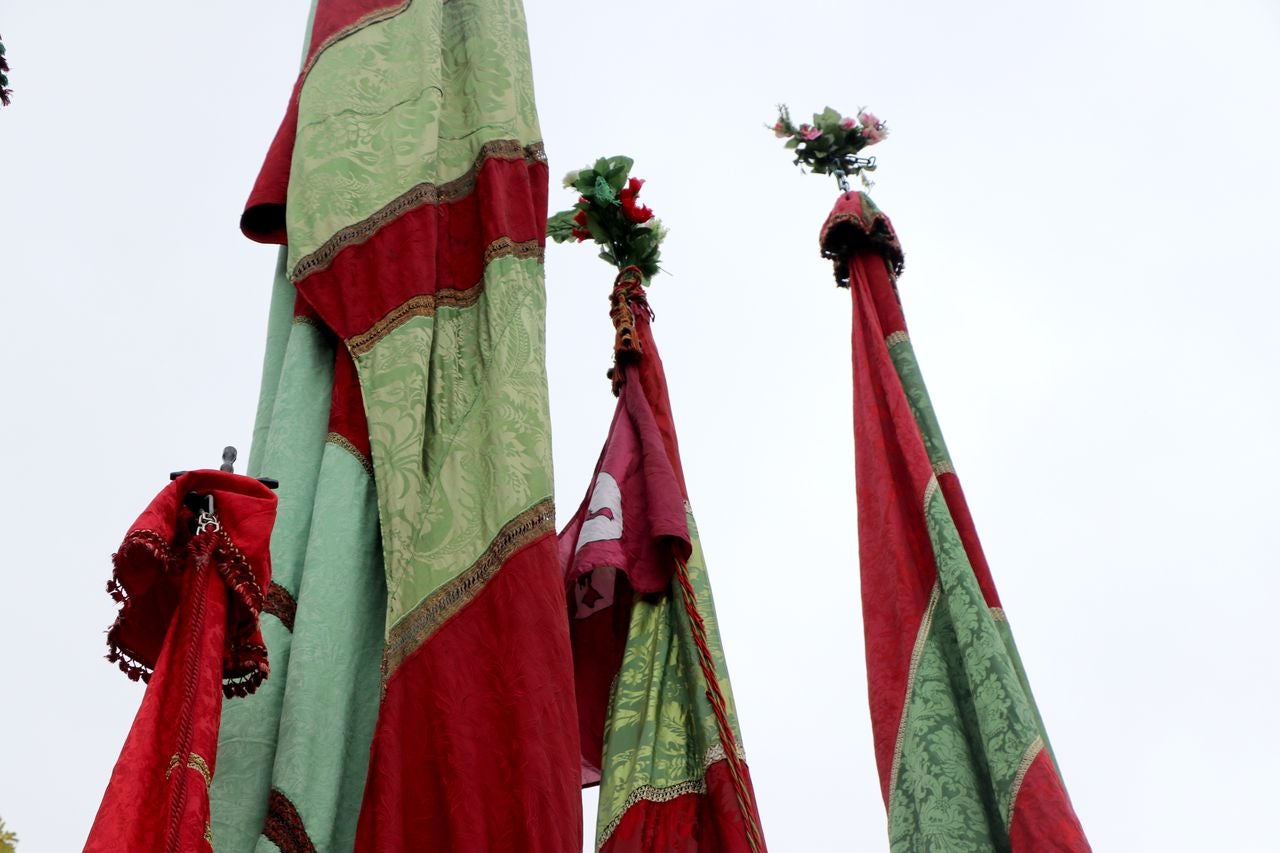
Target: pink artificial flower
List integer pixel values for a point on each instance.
(872, 134)
(809, 133)
(847, 124)
(779, 131)
(868, 119)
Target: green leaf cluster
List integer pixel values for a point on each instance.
(8, 839)
(599, 213)
(834, 148)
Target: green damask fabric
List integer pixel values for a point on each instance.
(661, 732)
(459, 423)
(904, 361)
(969, 721)
(405, 102)
(306, 732)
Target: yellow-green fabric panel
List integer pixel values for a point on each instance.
(904, 360)
(661, 727)
(969, 721)
(460, 429)
(405, 101)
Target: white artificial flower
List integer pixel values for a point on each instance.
(571, 179)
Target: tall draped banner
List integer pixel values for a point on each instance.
(422, 693)
(964, 759)
(657, 722)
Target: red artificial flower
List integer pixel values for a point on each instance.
(580, 218)
(635, 212)
(580, 234)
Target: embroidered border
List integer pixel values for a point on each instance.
(284, 827)
(353, 28)
(194, 762)
(917, 652)
(997, 613)
(305, 320)
(281, 604)
(417, 626)
(943, 467)
(896, 338)
(419, 306)
(929, 491)
(1024, 766)
(422, 194)
(654, 794)
(339, 440)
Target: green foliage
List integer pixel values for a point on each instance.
(8, 839)
(830, 145)
(608, 213)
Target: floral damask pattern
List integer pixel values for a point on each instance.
(652, 741)
(904, 360)
(459, 429)
(368, 131)
(970, 719)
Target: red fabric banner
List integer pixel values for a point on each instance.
(188, 625)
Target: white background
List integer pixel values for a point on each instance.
(1086, 194)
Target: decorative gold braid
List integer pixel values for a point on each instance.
(649, 793)
(997, 613)
(917, 652)
(506, 247)
(417, 626)
(655, 794)
(424, 305)
(339, 440)
(627, 297)
(353, 28)
(1024, 766)
(198, 764)
(208, 832)
(425, 193)
(194, 762)
(305, 320)
(943, 466)
(896, 338)
(929, 490)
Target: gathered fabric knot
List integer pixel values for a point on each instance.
(627, 297)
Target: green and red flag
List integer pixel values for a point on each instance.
(422, 692)
(963, 756)
(657, 723)
(964, 759)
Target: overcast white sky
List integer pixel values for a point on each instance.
(1087, 197)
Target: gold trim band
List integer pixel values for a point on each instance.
(416, 627)
(917, 652)
(1024, 766)
(896, 338)
(928, 492)
(654, 794)
(422, 194)
(943, 467)
(424, 305)
(337, 439)
(194, 762)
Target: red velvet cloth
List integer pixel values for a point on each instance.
(693, 823)
(188, 625)
(469, 754)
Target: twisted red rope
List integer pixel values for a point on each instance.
(746, 804)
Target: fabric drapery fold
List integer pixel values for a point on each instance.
(190, 584)
(408, 183)
(963, 756)
(657, 723)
